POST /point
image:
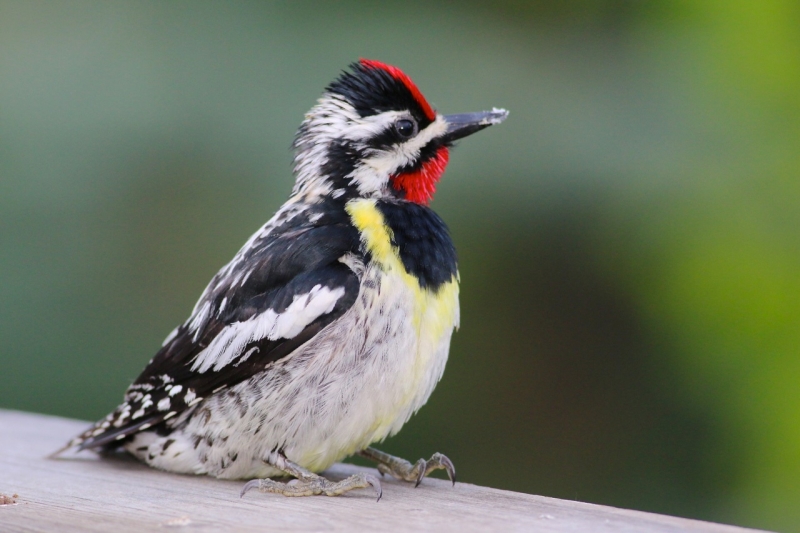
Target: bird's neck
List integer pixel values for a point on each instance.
(409, 232)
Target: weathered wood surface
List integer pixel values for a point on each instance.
(92, 494)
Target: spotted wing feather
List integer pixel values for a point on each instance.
(277, 294)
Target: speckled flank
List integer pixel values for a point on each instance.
(360, 381)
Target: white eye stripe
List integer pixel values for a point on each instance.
(435, 129)
(368, 127)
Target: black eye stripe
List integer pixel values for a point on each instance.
(390, 136)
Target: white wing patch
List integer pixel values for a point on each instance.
(231, 341)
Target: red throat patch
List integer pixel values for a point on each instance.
(401, 76)
(419, 185)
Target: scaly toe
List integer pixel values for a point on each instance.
(421, 468)
(442, 461)
(312, 486)
(383, 470)
(405, 471)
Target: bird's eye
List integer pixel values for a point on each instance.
(406, 128)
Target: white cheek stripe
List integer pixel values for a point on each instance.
(231, 341)
(373, 174)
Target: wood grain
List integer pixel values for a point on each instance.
(88, 493)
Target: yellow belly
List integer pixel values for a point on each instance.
(430, 318)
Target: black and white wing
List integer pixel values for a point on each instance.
(280, 290)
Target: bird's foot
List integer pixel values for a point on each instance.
(307, 483)
(402, 469)
(315, 485)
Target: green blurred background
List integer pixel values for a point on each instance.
(629, 239)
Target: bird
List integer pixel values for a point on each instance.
(331, 326)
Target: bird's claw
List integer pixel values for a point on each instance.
(315, 485)
(404, 470)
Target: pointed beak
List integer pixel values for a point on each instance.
(459, 126)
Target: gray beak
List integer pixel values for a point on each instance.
(459, 126)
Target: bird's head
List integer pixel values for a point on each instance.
(373, 134)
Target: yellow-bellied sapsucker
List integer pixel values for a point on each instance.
(332, 325)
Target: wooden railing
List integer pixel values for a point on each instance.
(119, 495)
